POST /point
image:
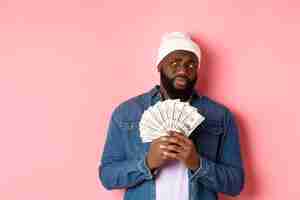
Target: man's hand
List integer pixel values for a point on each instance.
(182, 148)
(158, 154)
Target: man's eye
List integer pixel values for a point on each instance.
(174, 63)
(191, 66)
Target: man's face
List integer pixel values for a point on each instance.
(178, 72)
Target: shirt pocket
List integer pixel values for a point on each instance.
(208, 137)
(132, 141)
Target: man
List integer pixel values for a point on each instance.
(173, 167)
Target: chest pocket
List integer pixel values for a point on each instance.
(208, 137)
(132, 141)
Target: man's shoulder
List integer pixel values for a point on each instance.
(212, 107)
(132, 108)
(214, 104)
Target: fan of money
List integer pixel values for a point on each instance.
(169, 115)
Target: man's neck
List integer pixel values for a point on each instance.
(164, 94)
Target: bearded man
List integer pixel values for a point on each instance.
(173, 166)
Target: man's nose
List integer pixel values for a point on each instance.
(181, 70)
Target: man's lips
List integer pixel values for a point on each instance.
(180, 82)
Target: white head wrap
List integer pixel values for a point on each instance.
(177, 41)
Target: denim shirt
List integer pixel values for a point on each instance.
(123, 164)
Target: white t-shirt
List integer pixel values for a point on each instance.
(171, 182)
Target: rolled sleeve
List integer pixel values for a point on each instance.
(142, 166)
(201, 171)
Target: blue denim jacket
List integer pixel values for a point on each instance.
(216, 139)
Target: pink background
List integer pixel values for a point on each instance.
(64, 65)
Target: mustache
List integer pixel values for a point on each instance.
(181, 76)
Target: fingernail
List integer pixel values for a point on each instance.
(162, 146)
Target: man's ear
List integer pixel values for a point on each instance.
(159, 67)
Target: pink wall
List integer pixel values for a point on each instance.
(59, 66)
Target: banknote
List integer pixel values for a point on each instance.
(169, 115)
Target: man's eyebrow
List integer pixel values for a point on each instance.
(192, 60)
(175, 58)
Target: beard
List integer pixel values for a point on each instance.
(174, 93)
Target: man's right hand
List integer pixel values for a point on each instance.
(158, 154)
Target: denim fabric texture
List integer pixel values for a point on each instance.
(123, 163)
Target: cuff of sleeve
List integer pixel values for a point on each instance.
(201, 171)
(142, 166)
